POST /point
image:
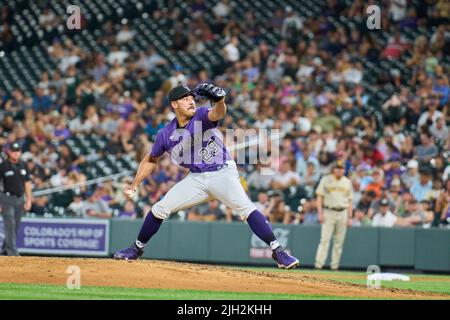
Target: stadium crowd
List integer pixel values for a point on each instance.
(313, 86)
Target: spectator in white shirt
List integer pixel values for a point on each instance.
(124, 35)
(231, 51)
(261, 178)
(69, 59)
(432, 114)
(116, 54)
(291, 24)
(439, 130)
(286, 177)
(353, 74)
(263, 201)
(305, 69)
(47, 19)
(76, 206)
(384, 218)
(59, 179)
(446, 174)
(222, 8)
(178, 78)
(398, 9)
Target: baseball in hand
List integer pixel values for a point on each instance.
(129, 192)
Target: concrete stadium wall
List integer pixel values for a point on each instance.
(233, 243)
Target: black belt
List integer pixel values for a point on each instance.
(335, 209)
(13, 195)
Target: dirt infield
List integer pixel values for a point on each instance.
(175, 275)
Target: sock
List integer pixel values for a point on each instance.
(274, 245)
(261, 227)
(139, 244)
(149, 228)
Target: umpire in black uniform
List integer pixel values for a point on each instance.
(16, 183)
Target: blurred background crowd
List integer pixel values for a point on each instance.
(88, 103)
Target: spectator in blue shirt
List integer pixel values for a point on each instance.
(420, 188)
(310, 215)
(41, 101)
(153, 127)
(442, 87)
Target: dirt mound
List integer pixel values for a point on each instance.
(175, 275)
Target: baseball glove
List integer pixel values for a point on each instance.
(209, 91)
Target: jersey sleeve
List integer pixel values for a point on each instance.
(202, 114)
(320, 187)
(159, 146)
(27, 174)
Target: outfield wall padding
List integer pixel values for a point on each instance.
(234, 243)
(397, 247)
(432, 248)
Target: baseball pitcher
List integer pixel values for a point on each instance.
(193, 142)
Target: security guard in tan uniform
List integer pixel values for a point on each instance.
(334, 207)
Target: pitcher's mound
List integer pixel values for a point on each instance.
(175, 275)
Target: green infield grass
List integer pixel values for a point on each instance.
(13, 291)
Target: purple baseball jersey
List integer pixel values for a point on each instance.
(198, 146)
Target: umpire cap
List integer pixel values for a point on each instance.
(180, 92)
(15, 146)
